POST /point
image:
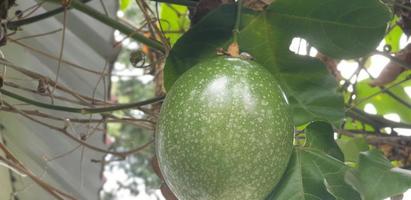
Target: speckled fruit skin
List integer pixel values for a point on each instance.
(225, 132)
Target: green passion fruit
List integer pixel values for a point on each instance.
(225, 132)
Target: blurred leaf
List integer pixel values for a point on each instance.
(384, 103)
(394, 36)
(174, 21)
(127, 136)
(314, 175)
(124, 4)
(375, 178)
(352, 147)
(351, 124)
(320, 135)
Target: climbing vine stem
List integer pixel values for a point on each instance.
(81, 110)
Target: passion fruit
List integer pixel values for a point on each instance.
(225, 132)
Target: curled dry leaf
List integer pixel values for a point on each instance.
(393, 69)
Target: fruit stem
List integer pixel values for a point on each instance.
(234, 49)
(236, 29)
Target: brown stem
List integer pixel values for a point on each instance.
(375, 120)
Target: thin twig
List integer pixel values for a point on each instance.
(38, 76)
(375, 136)
(81, 110)
(63, 36)
(122, 154)
(38, 35)
(380, 92)
(54, 57)
(12, 161)
(375, 120)
(62, 98)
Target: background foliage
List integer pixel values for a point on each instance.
(350, 126)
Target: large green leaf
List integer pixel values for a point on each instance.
(313, 172)
(341, 29)
(320, 135)
(337, 28)
(314, 175)
(375, 178)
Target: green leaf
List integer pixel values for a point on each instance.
(174, 21)
(124, 4)
(352, 147)
(393, 37)
(311, 90)
(314, 175)
(340, 29)
(320, 135)
(351, 124)
(375, 178)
